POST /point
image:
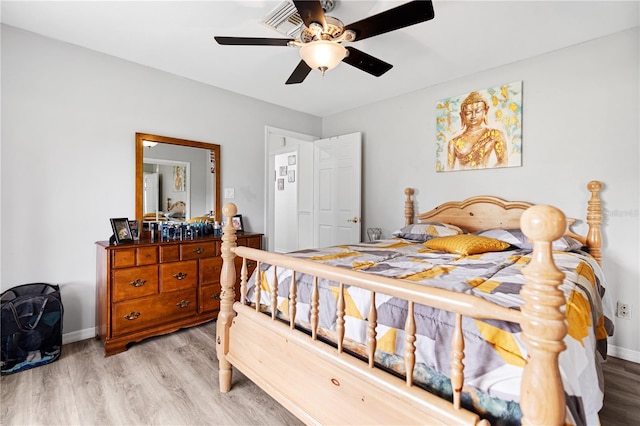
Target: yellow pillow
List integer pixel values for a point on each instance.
(466, 244)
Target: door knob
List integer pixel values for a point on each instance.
(354, 220)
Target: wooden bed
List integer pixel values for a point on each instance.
(323, 384)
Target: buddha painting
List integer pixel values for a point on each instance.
(476, 143)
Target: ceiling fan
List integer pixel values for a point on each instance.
(320, 42)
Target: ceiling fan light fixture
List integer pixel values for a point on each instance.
(323, 55)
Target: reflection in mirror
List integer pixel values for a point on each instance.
(166, 190)
(176, 179)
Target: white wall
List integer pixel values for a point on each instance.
(69, 118)
(580, 122)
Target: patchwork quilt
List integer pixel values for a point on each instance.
(494, 351)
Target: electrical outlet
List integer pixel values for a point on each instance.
(623, 310)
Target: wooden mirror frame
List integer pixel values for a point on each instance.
(140, 137)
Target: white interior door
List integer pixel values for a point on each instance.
(151, 192)
(293, 222)
(337, 190)
(285, 236)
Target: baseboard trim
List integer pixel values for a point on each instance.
(76, 336)
(624, 353)
(90, 333)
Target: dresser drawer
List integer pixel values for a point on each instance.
(178, 275)
(151, 311)
(170, 253)
(131, 283)
(198, 250)
(123, 258)
(210, 298)
(254, 242)
(210, 269)
(146, 255)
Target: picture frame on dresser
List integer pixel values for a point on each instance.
(121, 230)
(134, 226)
(237, 223)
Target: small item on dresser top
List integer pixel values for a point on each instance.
(153, 231)
(217, 229)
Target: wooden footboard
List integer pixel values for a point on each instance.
(322, 384)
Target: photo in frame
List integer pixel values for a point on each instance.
(481, 129)
(236, 221)
(179, 178)
(121, 230)
(281, 184)
(134, 227)
(283, 170)
(292, 176)
(291, 160)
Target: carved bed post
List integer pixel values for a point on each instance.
(543, 325)
(408, 207)
(227, 280)
(594, 219)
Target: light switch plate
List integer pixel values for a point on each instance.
(229, 193)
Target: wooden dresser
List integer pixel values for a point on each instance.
(148, 288)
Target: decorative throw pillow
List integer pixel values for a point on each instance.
(466, 244)
(425, 231)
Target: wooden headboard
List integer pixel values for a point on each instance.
(487, 212)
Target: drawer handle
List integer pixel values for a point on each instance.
(180, 276)
(138, 283)
(216, 296)
(183, 304)
(198, 250)
(132, 315)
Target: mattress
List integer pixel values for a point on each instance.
(494, 350)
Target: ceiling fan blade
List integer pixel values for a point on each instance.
(299, 74)
(366, 62)
(402, 16)
(253, 41)
(310, 11)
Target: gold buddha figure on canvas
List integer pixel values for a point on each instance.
(478, 146)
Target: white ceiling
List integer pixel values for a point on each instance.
(464, 38)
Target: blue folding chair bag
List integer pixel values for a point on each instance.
(31, 326)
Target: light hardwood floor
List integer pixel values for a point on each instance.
(173, 380)
(166, 380)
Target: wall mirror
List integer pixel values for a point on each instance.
(176, 179)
